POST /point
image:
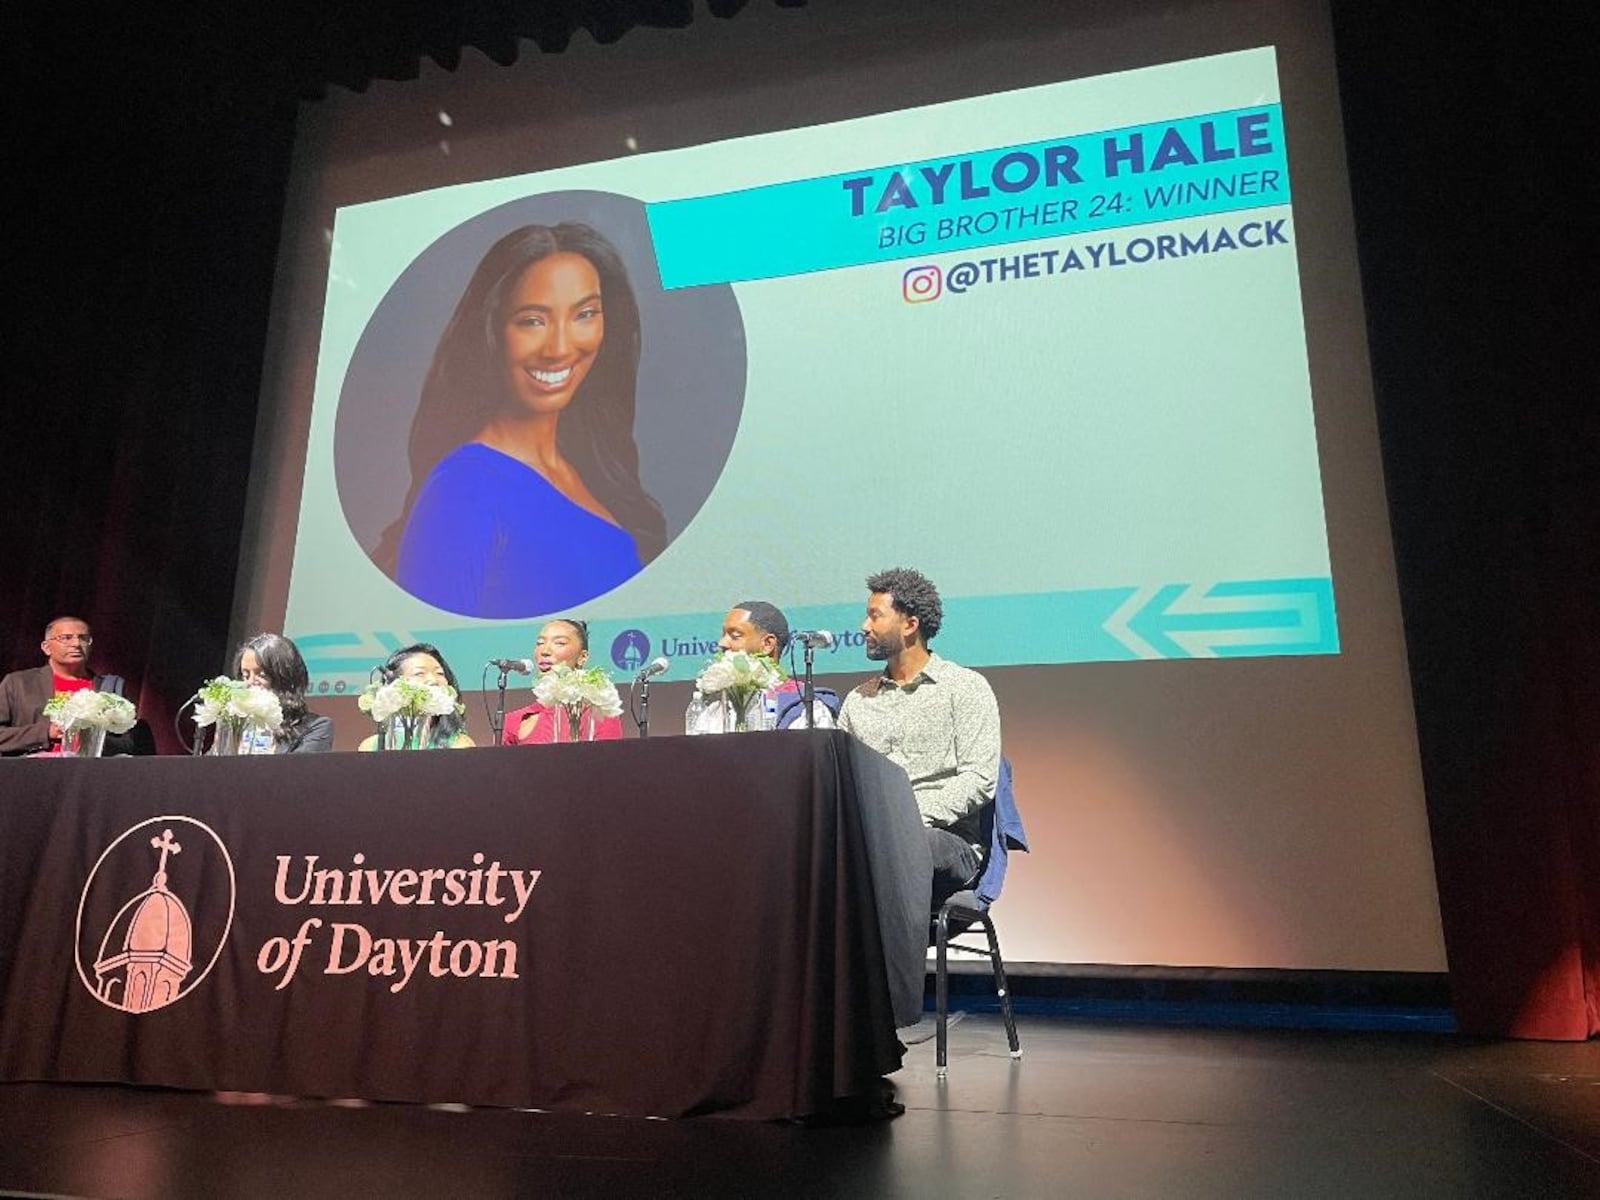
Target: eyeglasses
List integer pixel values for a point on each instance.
(64, 638)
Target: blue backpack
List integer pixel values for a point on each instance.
(791, 709)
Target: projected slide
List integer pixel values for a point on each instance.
(1045, 345)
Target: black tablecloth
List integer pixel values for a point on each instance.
(718, 924)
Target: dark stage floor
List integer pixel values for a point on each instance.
(1092, 1110)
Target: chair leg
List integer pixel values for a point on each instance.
(941, 991)
(1000, 987)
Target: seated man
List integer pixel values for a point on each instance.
(937, 720)
(758, 627)
(23, 694)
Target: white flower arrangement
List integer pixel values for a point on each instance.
(739, 673)
(576, 688)
(87, 709)
(738, 677)
(234, 702)
(408, 699)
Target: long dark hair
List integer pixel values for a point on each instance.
(446, 728)
(286, 673)
(466, 384)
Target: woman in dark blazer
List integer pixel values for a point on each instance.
(271, 660)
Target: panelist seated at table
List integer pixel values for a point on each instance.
(936, 720)
(422, 663)
(272, 661)
(564, 640)
(24, 729)
(759, 627)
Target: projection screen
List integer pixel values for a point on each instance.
(1057, 306)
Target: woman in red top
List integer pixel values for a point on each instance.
(564, 640)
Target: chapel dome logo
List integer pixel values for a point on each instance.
(155, 913)
(630, 650)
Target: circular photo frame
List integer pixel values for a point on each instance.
(528, 419)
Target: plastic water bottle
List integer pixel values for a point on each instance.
(769, 710)
(695, 711)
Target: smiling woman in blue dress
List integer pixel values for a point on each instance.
(525, 495)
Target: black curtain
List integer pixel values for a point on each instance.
(149, 174)
(1475, 210)
(151, 153)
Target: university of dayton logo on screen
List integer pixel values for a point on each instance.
(630, 650)
(155, 914)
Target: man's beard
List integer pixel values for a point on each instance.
(884, 648)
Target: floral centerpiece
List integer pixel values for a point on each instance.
(580, 697)
(408, 707)
(739, 678)
(233, 706)
(85, 717)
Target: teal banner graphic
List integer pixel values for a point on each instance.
(1234, 619)
(1160, 171)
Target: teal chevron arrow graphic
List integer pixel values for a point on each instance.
(1238, 618)
(341, 654)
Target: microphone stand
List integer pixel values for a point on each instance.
(643, 719)
(198, 741)
(809, 697)
(497, 723)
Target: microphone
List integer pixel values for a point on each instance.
(520, 666)
(652, 669)
(816, 639)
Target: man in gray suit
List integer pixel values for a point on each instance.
(23, 694)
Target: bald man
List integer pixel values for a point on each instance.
(23, 694)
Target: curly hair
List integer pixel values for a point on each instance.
(912, 594)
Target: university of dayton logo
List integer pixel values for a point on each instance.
(155, 914)
(630, 649)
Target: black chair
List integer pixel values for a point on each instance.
(1001, 828)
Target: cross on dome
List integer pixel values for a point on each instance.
(166, 845)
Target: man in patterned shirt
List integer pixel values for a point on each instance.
(937, 720)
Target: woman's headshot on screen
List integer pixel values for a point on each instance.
(525, 494)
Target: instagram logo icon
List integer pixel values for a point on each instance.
(922, 284)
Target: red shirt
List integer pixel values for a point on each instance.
(66, 683)
(606, 729)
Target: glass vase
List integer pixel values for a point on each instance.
(741, 714)
(410, 733)
(83, 743)
(574, 723)
(228, 739)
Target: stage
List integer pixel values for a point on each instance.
(1092, 1110)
